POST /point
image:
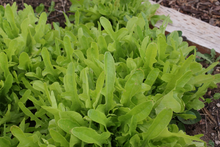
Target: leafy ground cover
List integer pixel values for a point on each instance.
(209, 125)
(43, 80)
(207, 11)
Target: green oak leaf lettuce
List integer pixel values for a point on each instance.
(109, 82)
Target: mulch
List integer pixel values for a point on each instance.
(205, 10)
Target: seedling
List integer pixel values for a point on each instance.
(41, 8)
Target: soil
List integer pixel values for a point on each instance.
(205, 10)
(56, 16)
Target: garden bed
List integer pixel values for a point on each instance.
(209, 123)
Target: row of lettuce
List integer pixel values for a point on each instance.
(106, 80)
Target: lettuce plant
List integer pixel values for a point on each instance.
(117, 11)
(22, 36)
(96, 86)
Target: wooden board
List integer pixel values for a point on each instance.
(203, 35)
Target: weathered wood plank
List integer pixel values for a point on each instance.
(198, 33)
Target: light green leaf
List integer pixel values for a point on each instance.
(200, 79)
(178, 73)
(4, 64)
(187, 139)
(53, 100)
(99, 87)
(22, 125)
(24, 140)
(151, 54)
(131, 64)
(38, 85)
(131, 23)
(75, 116)
(7, 29)
(93, 52)
(24, 62)
(209, 68)
(217, 78)
(89, 135)
(70, 86)
(40, 27)
(110, 80)
(140, 112)
(40, 8)
(162, 45)
(57, 137)
(7, 116)
(169, 101)
(195, 67)
(68, 48)
(187, 50)
(135, 141)
(91, 64)
(108, 27)
(48, 66)
(4, 142)
(7, 85)
(181, 82)
(186, 116)
(159, 124)
(74, 141)
(11, 19)
(25, 96)
(152, 76)
(102, 44)
(74, 2)
(85, 86)
(132, 87)
(195, 104)
(67, 124)
(28, 86)
(12, 49)
(98, 117)
(143, 47)
(121, 33)
(30, 114)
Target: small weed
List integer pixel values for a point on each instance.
(211, 143)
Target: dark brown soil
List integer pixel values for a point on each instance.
(206, 10)
(56, 16)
